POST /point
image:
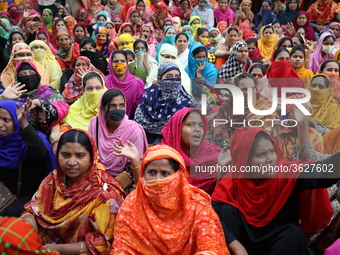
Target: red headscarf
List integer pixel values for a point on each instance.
(205, 155)
(247, 33)
(260, 203)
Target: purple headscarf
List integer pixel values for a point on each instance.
(310, 35)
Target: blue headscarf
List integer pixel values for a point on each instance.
(170, 39)
(161, 102)
(210, 70)
(13, 148)
(287, 15)
(191, 37)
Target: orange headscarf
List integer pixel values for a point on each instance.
(167, 215)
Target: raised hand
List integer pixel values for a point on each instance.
(128, 150)
(13, 91)
(224, 158)
(22, 112)
(200, 67)
(81, 72)
(277, 129)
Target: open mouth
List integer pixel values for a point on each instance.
(196, 138)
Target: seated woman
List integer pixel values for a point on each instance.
(260, 73)
(292, 9)
(86, 107)
(298, 60)
(267, 42)
(231, 37)
(168, 53)
(45, 37)
(88, 49)
(298, 40)
(79, 32)
(26, 156)
(331, 69)
(224, 132)
(43, 55)
(16, 36)
(112, 126)
(21, 52)
(325, 109)
(125, 41)
(87, 200)
(186, 132)
(253, 50)
(165, 210)
(281, 74)
(135, 69)
(119, 77)
(322, 12)
(68, 50)
(182, 45)
(237, 62)
(147, 33)
(270, 224)
(143, 58)
(162, 101)
(265, 16)
(104, 43)
(323, 52)
(285, 42)
(74, 88)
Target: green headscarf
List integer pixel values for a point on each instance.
(48, 21)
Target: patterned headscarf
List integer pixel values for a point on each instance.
(232, 67)
(20, 238)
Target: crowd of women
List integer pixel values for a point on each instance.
(107, 144)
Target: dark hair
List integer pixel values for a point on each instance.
(269, 26)
(284, 40)
(79, 25)
(140, 1)
(201, 30)
(58, 20)
(134, 12)
(128, 25)
(101, 15)
(16, 32)
(259, 136)
(262, 67)
(299, 37)
(244, 76)
(199, 49)
(140, 41)
(278, 51)
(300, 28)
(327, 83)
(91, 75)
(87, 40)
(298, 48)
(75, 62)
(268, 1)
(75, 136)
(179, 34)
(173, 163)
(252, 40)
(130, 53)
(277, 22)
(108, 95)
(244, 20)
(232, 29)
(182, 1)
(118, 52)
(324, 64)
(327, 37)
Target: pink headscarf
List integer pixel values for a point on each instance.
(333, 24)
(316, 59)
(152, 39)
(131, 86)
(128, 130)
(227, 15)
(146, 15)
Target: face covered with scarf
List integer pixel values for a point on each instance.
(64, 39)
(21, 52)
(80, 64)
(125, 41)
(27, 74)
(102, 35)
(169, 80)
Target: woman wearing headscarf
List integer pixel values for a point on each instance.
(298, 61)
(68, 50)
(237, 62)
(247, 32)
(127, 6)
(322, 11)
(113, 8)
(119, 77)
(43, 55)
(295, 207)
(223, 12)
(5, 26)
(21, 52)
(205, 12)
(323, 52)
(15, 35)
(158, 17)
(125, 41)
(216, 38)
(143, 9)
(126, 28)
(179, 215)
(104, 43)
(147, 33)
(325, 109)
(23, 152)
(74, 88)
(259, 71)
(165, 99)
(45, 37)
(267, 42)
(183, 11)
(20, 238)
(48, 19)
(265, 16)
(113, 125)
(245, 12)
(135, 20)
(32, 26)
(168, 53)
(302, 20)
(83, 17)
(3, 6)
(86, 201)
(288, 15)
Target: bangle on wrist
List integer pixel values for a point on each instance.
(81, 248)
(134, 168)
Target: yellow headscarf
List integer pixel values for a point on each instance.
(336, 56)
(126, 38)
(325, 109)
(48, 61)
(267, 43)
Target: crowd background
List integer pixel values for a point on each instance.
(101, 127)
